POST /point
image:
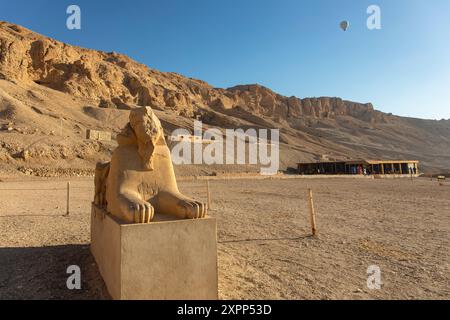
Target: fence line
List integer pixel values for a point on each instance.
(33, 189)
(209, 206)
(61, 189)
(40, 189)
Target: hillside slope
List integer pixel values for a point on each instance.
(51, 92)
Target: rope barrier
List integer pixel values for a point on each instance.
(31, 189)
(55, 189)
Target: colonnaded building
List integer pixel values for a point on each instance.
(361, 167)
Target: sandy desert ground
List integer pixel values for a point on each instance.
(265, 251)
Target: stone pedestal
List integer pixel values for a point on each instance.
(166, 259)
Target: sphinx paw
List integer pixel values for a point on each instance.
(142, 212)
(193, 209)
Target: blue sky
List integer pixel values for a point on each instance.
(293, 47)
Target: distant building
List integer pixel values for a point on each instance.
(189, 138)
(98, 135)
(368, 167)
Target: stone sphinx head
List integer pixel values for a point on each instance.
(145, 130)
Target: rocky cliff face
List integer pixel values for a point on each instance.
(113, 80)
(52, 93)
(264, 101)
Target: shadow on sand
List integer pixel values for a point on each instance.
(40, 273)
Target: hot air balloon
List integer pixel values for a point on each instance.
(344, 25)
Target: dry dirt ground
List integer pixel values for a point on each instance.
(265, 251)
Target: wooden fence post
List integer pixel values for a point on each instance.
(209, 194)
(312, 212)
(68, 198)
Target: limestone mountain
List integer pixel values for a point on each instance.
(51, 92)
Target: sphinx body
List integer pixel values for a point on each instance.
(140, 178)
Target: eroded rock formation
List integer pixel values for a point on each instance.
(114, 80)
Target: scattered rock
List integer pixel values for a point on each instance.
(56, 172)
(25, 155)
(107, 104)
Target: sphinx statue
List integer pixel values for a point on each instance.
(140, 178)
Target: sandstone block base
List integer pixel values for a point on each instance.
(167, 259)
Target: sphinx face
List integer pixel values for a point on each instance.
(148, 130)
